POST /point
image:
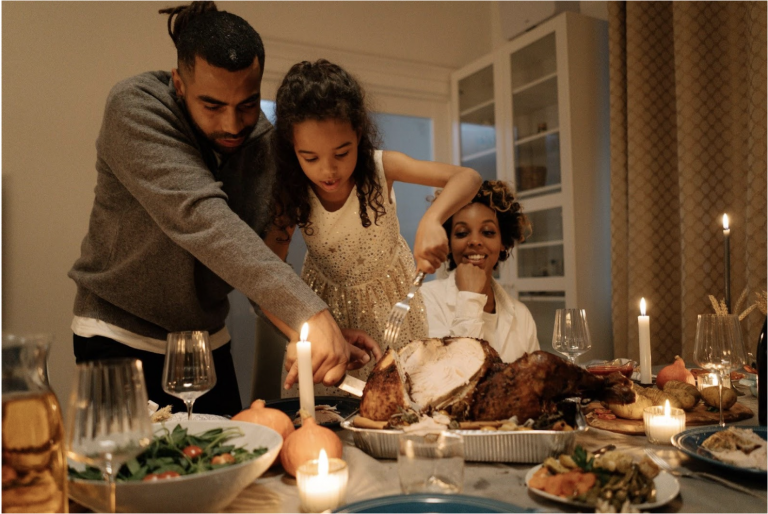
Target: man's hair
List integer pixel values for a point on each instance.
(223, 39)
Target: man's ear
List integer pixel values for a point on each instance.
(178, 84)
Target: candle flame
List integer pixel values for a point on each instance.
(304, 331)
(715, 380)
(725, 222)
(666, 409)
(642, 306)
(322, 462)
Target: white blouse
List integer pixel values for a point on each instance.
(511, 330)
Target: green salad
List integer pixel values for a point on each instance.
(176, 453)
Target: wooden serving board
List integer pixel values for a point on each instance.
(699, 415)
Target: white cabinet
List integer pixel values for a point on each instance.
(535, 113)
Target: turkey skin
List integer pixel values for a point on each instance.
(466, 378)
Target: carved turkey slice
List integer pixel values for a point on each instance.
(427, 375)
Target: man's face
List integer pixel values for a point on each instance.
(224, 105)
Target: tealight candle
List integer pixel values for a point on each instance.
(711, 380)
(661, 423)
(322, 483)
(306, 385)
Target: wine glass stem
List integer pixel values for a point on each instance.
(720, 394)
(111, 492)
(189, 403)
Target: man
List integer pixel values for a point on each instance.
(184, 183)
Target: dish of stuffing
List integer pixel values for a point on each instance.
(740, 449)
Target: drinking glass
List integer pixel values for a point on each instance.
(432, 463)
(719, 347)
(108, 422)
(188, 371)
(571, 333)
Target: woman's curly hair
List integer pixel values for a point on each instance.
(514, 226)
(320, 91)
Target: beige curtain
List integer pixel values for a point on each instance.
(688, 143)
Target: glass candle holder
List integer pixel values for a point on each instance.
(663, 422)
(322, 483)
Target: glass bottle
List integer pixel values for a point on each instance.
(33, 459)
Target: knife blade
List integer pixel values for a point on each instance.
(352, 385)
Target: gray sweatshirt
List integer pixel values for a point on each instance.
(171, 231)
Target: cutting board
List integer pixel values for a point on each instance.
(699, 415)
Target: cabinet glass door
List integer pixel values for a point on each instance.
(477, 121)
(535, 118)
(541, 254)
(543, 306)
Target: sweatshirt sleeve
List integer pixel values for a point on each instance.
(145, 144)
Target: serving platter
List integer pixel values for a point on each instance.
(667, 488)
(524, 446)
(699, 415)
(689, 442)
(345, 407)
(431, 503)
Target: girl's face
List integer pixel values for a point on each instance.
(475, 237)
(327, 153)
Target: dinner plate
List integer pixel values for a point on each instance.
(689, 441)
(290, 406)
(431, 503)
(667, 488)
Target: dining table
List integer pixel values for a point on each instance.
(372, 478)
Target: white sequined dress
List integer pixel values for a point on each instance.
(361, 272)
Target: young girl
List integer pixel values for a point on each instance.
(469, 302)
(337, 187)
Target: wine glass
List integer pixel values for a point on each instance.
(571, 333)
(108, 422)
(719, 347)
(188, 371)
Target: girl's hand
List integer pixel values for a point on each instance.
(431, 245)
(470, 278)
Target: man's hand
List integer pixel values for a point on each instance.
(360, 340)
(470, 278)
(430, 248)
(330, 352)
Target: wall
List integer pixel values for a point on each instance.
(61, 58)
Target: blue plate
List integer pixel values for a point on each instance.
(689, 442)
(431, 503)
(345, 406)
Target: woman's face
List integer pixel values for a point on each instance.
(475, 237)
(327, 153)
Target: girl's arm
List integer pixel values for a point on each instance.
(459, 185)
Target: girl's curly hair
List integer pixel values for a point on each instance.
(319, 91)
(514, 226)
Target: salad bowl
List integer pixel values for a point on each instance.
(206, 491)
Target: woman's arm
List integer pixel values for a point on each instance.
(459, 185)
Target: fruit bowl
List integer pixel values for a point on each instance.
(209, 491)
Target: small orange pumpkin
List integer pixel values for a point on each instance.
(305, 444)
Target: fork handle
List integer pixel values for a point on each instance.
(419, 279)
(728, 483)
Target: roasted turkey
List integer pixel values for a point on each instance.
(466, 378)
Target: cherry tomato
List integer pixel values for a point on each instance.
(224, 458)
(192, 451)
(152, 477)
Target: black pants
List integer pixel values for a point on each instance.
(223, 399)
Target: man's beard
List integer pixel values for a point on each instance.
(211, 138)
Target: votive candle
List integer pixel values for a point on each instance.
(644, 330)
(306, 385)
(663, 422)
(322, 483)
